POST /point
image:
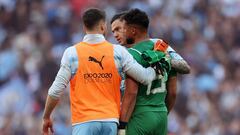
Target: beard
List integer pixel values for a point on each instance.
(129, 40)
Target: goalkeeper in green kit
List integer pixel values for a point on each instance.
(146, 113)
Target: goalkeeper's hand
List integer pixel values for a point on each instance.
(157, 66)
(162, 66)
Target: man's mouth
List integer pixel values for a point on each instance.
(119, 40)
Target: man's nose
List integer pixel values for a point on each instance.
(116, 35)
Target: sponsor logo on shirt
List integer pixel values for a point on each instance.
(91, 58)
(97, 77)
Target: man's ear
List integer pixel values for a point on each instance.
(103, 26)
(134, 31)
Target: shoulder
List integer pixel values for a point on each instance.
(119, 49)
(169, 49)
(69, 54)
(121, 53)
(154, 39)
(70, 51)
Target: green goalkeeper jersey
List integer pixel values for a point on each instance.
(150, 97)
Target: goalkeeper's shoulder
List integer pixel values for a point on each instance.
(177, 62)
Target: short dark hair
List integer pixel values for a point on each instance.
(91, 17)
(117, 16)
(136, 17)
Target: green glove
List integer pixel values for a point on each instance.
(151, 56)
(157, 60)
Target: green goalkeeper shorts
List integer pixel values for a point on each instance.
(148, 123)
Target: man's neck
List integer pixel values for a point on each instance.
(141, 38)
(129, 45)
(94, 32)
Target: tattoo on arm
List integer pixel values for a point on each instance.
(181, 66)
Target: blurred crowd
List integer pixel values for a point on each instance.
(34, 34)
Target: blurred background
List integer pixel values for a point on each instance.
(34, 34)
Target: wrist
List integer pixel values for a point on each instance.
(122, 125)
(46, 117)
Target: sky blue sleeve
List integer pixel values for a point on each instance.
(173, 54)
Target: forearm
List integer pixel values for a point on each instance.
(177, 62)
(127, 107)
(141, 74)
(170, 102)
(60, 83)
(129, 100)
(49, 106)
(171, 93)
(181, 66)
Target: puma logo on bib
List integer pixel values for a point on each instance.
(90, 58)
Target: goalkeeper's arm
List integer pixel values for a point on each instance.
(171, 92)
(128, 103)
